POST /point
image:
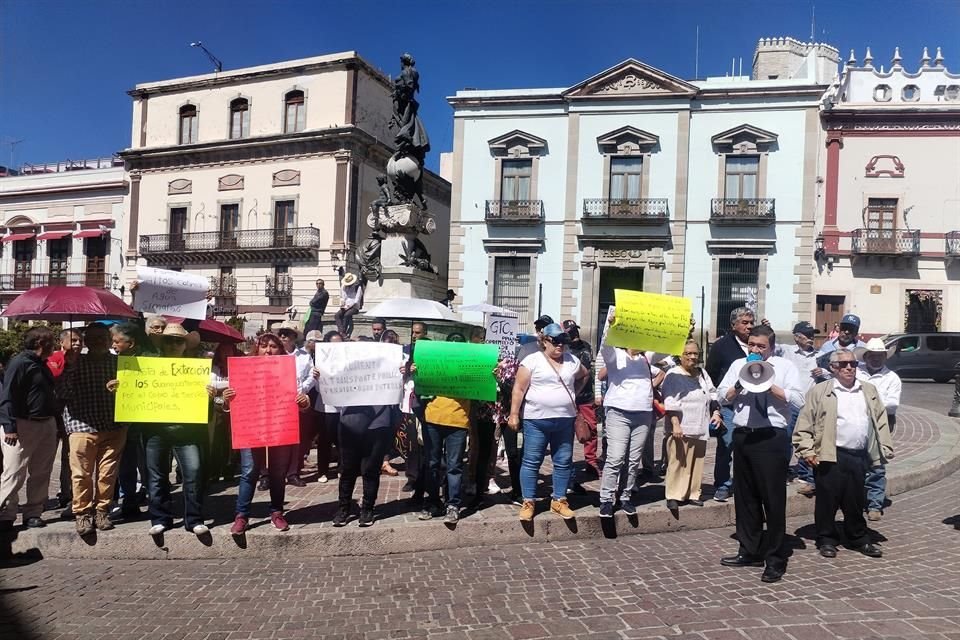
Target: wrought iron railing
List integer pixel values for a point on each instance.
(742, 210)
(643, 210)
(223, 285)
(897, 242)
(13, 282)
(279, 286)
(297, 237)
(523, 211)
(952, 248)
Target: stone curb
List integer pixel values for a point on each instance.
(60, 541)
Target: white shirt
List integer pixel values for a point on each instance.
(853, 423)
(628, 380)
(304, 366)
(805, 362)
(785, 376)
(888, 386)
(691, 398)
(546, 396)
(351, 295)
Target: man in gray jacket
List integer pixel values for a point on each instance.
(842, 432)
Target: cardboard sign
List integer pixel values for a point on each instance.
(162, 390)
(264, 412)
(359, 373)
(502, 331)
(171, 292)
(650, 322)
(456, 370)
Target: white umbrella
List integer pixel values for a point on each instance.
(483, 307)
(411, 308)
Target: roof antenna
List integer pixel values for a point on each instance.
(813, 22)
(696, 56)
(217, 65)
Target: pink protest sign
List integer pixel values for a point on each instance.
(264, 412)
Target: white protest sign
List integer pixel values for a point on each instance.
(359, 373)
(502, 331)
(171, 292)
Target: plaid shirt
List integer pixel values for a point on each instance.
(83, 388)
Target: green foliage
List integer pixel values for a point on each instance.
(11, 339)
(237, 322)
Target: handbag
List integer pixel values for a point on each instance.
(581, 428)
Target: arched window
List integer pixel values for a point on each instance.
(239, 118)
(188, 124)
(295, 114)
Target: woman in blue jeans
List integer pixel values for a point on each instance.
(546, 385)
(276, 459)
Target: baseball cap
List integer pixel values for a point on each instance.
(314, 335)
(570, 324)
(543, 321)
(804, 328)
(556, 334)
(851, 320)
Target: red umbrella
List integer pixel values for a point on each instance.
(67, 303)
(211, 330)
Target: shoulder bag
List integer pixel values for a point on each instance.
(580, 426)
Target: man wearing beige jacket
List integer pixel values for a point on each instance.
(842, 432)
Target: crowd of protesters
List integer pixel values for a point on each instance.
(834, 415)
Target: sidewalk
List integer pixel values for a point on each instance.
(927, 449)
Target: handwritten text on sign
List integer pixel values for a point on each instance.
(502, 331)
(264, 412)
(456, 370)
(165, 390)
(171, 292)
(359, 373)
(650, 322)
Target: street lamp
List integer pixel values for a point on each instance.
(819, 252)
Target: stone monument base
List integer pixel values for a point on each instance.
(403, 282)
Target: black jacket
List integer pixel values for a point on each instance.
(723, 353)
(28, 391)
(319, 302)
(582, 351)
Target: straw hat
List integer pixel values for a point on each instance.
(349, 280)
(175, 330)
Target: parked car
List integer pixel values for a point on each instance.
(923, 355)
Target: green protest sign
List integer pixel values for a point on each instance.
(456, 369)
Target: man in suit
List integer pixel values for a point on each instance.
(723, 353)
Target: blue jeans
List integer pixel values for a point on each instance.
(451, 442)
(876, 484)
(252, 461)
(722, 477)
(537, 434)
(184, 442)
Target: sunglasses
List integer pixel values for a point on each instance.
(557, 342)
(845, 364)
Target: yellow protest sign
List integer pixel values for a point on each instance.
(650, 322)
(165, 390)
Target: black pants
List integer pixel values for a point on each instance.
(840, 485)
(486, 430)
(514, 457)
(418, 459)
(315, 323)
(327, 425)
(344, 319)
(308, 431)
(361, 454)
(760, 485)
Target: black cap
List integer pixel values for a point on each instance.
(804, 328)
(542, 321)
(570, 324)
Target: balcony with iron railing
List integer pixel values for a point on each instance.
(742, 211)
(626, 211)
(223, 285)
(248, 244)
(17, 282)
(278, 286)
(518, 212)
(952, 248)
(885, 242)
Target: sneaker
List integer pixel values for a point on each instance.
(493, 487)
(629, 508)
(263, 484)
(84, 525)
(67, 514)
(341, 517)
(562, 508)
(366, 518)
(426, 514)
(722, 494)
(872, 516)
(606, 509)
(696, 503)
(453, 515)
(157, 529)
(805, 488)
(279, 521)
(517, 499)
(323, 479)
(200, 530)
(527, 511)
(576, 488)
(35, 523)
(102, 521)
(239, 525)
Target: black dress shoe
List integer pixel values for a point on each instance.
(870, 550)
(828, 550)
(741, 561)
(35, 523)
(263, 484)
(772, 574)
(673, 505)
(296, 481)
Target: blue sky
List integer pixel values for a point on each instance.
(65, 65)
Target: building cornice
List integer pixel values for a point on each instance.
(93, 186)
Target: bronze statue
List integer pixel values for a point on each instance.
(405, 167)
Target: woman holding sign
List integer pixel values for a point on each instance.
(547, 383)
(276, 459)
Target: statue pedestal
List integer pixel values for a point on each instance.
(393, 247)
(403, 282)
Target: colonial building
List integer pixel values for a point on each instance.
(891, 214)
(61, 226)
(637, 179)
(261, 178)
